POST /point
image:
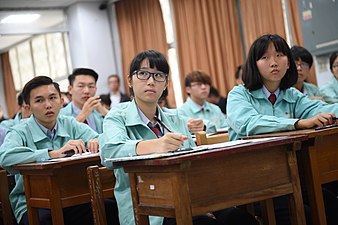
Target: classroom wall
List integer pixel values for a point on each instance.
(2, 93)
(90, 41)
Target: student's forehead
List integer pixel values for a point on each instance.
(44, 90)
(83, 78)
(146, 64)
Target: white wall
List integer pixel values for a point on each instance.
(90, 41)
(322, 66)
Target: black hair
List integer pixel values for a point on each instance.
(82, 71)
(299, 52)
(105, 99)
(238, 72)
(114, 75)
(20, 100)
(35, 83)
(251, 76)
(197, 76)
(156, 60)
(213, 92)
(332, 59)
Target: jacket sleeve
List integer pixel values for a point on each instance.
(114, 141)
(13, 151)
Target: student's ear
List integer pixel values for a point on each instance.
(70, 87)
(188, 89)
(62, 101)
(130, 82)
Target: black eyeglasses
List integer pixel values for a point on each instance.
(145, 75)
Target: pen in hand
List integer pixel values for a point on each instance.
(162, 124)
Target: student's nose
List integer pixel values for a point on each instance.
(48, 104)
(273, 62)
(85, 89)
(150, 81)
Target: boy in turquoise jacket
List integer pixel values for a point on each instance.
(45, 135)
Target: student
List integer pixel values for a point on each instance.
(303, 60)
(218, 100)
(268, 102)
(43, 136)
(115, 95)
(24, 112)
(330, 89)
(130, 129)
(197, 86)
(85, 105)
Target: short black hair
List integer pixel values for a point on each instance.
(299, 52)
(105, 99)
(35, 83)
(82, 71)
(333, 57)
(197, 76)
(20, 100)
(156, 60)
(213, 92)
(251, 76)
(114, 75)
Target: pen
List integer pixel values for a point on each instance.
(162, 124)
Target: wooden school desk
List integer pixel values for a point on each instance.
(196, 183)
(319, 160)
(56, 185)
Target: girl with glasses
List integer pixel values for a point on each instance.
(141, 127)
(330, 89)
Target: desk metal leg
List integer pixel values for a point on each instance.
(182, 200)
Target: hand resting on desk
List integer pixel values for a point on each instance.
(169, 142)
(322, 119)
(74, 147)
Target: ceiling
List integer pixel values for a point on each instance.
(52, 19)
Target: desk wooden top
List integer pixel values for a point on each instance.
(310, 133)
(55, 164)
(220, 152)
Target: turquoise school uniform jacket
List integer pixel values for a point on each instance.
(251, 113)
(311, 90)
(98, 118)
(212, 115)
(26, 142)
(122, 130)
(330, 90)
(11, 122)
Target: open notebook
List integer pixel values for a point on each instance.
(190, 150)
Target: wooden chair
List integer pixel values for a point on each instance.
(101, 185)
(203, 139)
(268, 213)
(6, 185)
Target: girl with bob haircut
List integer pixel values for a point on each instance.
(270, 70)
(129, 130)
(268, 103)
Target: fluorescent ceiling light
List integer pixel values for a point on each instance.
(23, 18)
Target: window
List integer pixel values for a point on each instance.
(172, 54)
(46, 55)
